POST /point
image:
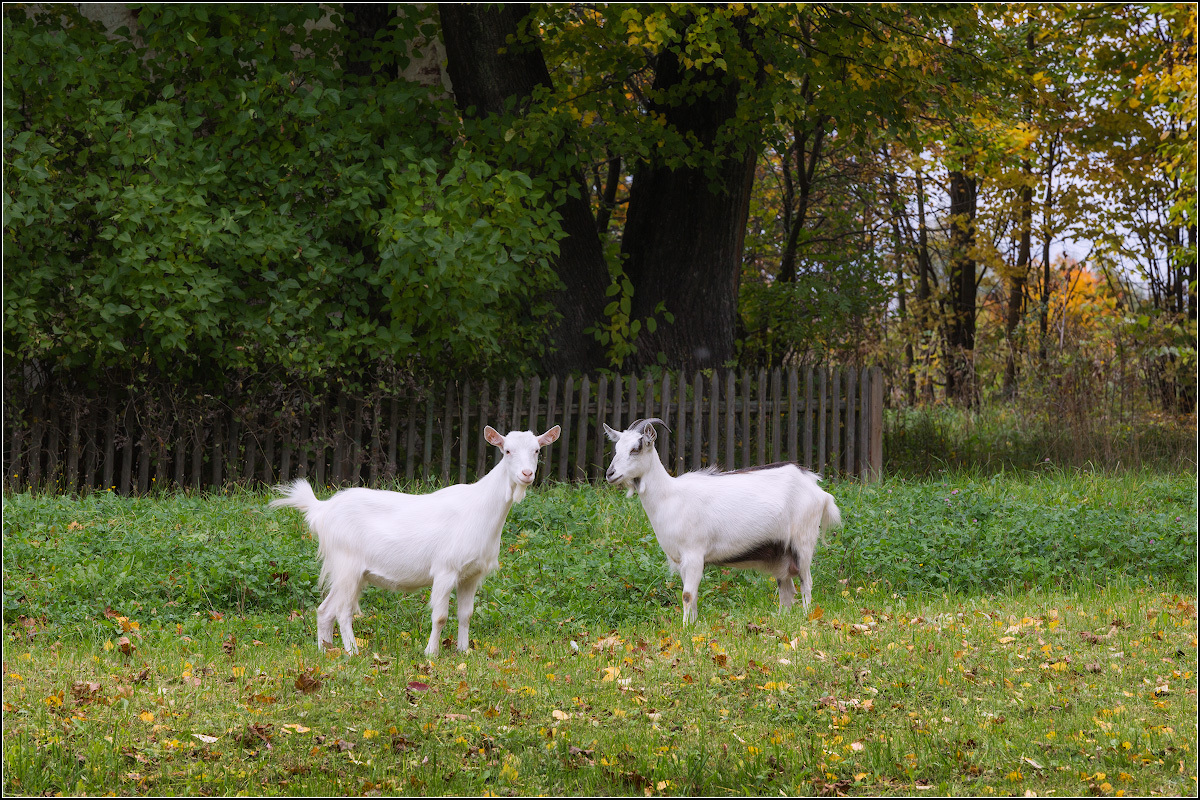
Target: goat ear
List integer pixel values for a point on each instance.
(610, 433)
(550, 436)
(649, 434)
(490, 435)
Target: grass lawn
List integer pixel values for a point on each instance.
(969, 635)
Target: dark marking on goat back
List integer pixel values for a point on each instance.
(760, 468)
(770, 552)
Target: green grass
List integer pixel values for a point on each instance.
(970, 635)
(931, 440)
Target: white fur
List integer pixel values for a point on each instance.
(447, 539)
(711, 518)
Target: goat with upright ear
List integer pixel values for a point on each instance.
(765, 518)
(449, 539)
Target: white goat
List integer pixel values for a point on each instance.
(763, 518)
(447, 539)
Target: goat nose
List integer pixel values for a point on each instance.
(528, 473)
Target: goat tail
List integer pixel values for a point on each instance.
(297, 494)
(831, 516)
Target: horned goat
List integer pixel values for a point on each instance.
(446, 539)
(765, 518)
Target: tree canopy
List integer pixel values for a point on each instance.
(272, 193)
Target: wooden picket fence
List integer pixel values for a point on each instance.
(827, 419)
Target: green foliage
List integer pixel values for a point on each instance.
(964, 535)
(463, 253)
(207, 203)
(589, 555)
(620, 332)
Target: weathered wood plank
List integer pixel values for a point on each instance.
(585, 390)
(564, 441)
(447, 433)
(551, 410)
(427, 462)
(792, 410)
(517, 405)
(410, 447)
(776, 422)
(681, 443)
(851, 399)
(53, 480)
(464, 431)
(73, 447)
(664, 413)
(500, 425)
(535, 405)
(762, 416)
(864, 425)
(730, 420)
(876, 434)
(697, 420)
(481, 445)
(617, 406)
(597, 463)
(822, 417)
(714, 418)
(375, 450)
(835, 420)
(809, 423)
(746, 438)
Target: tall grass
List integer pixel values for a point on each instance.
(928, 440)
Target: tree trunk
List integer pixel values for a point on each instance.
(363, 21)
(923, 276)
(806, 168)
(899, 246)
(1016, 283)
(491, 64)
(685, 226)
(960, 332)
(1047, 218)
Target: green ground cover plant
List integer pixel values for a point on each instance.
(969, 634)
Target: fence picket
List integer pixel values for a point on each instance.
(714, 422)
(551, 408)
(481, 466)
(775, 422)
(793, 454)
(447, 439)
(681, 443)
(597, 468)
(664, 439)
(351, 439)
(564, 439)
(730, 420)
(746, 418)
(864, 416)
(851, 398)
(585, 399)
(822, 423)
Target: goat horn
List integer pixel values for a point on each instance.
(639, 425)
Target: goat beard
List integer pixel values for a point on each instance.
(632, 487)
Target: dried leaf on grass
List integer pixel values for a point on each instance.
(309, 681)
